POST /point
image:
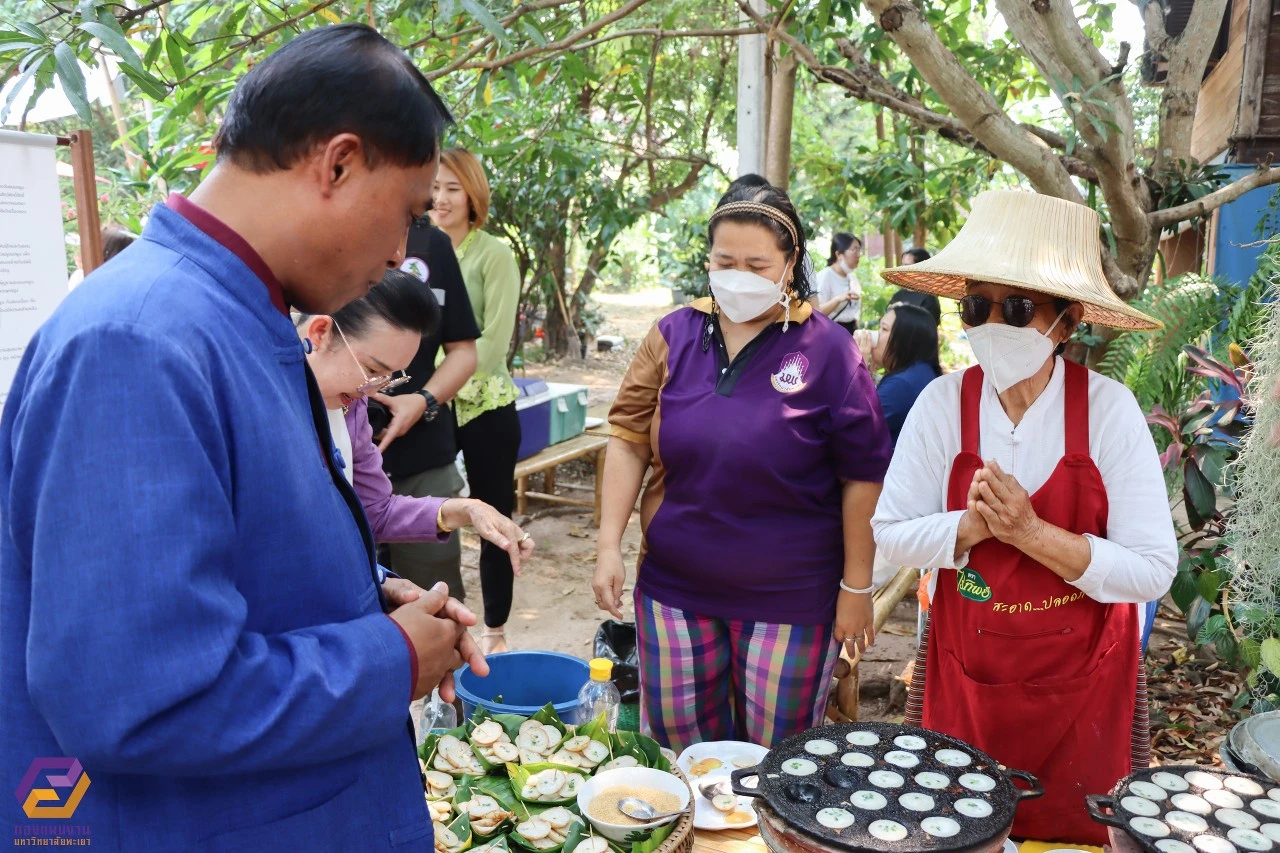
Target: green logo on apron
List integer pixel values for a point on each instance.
(971, 585)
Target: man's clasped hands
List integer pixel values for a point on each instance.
(436, 625)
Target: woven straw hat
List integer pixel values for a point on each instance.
(1030, 241)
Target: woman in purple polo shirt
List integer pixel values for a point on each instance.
(760, 425)
(361, 350)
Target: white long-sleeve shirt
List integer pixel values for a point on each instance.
(1137, 560)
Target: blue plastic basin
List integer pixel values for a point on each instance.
(526, 681)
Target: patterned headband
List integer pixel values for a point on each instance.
(754, 207)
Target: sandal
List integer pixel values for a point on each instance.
(493, 641)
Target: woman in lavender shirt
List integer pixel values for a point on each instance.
(364, 349)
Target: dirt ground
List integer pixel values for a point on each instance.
(554, 607)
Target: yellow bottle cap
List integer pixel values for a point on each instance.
(601, 669)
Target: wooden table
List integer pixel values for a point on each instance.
(590, 444)
(728, 841)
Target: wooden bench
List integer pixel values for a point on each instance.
(590, 444)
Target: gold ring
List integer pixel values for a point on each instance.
(525, 538)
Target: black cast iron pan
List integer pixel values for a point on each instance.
(904, 788)
(1183, 808)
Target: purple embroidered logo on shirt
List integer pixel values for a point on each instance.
(790, 375)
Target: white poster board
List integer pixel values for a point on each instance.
(33, 263)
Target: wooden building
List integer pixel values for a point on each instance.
(1237, 116)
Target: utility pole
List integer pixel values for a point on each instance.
(753, 119)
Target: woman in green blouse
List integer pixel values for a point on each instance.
(488, 428)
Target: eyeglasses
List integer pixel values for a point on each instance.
(372, 384)
(1017, 311)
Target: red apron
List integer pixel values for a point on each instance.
(1023, 665)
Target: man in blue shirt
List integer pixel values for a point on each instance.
(194, 629)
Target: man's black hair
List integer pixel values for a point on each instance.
(399, 299)
(336, 79)
(918, 255)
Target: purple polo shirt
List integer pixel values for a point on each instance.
(742, 515)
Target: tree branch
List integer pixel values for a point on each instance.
(254, 39)
(134, 14)
(1205, 205)
(516, 14)
(972, 104)
(557, 46)
(1187, 57)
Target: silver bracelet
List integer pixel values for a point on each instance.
(848, 588)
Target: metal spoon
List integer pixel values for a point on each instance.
(713, 788)
(638, 809)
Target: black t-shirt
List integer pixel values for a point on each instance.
(427, 446)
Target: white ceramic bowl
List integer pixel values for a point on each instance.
(630, 777)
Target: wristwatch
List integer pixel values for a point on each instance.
(433, 406)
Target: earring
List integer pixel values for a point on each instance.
(307, 346)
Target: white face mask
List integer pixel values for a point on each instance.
(1008, 354)
(744, 296)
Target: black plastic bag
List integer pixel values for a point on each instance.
(616, 641)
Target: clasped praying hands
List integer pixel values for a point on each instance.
(1000, 502)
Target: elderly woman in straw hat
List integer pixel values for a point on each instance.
(1037, 484)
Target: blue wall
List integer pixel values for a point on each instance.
(1238, 226)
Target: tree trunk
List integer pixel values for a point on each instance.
(781, 109)
(919, 232)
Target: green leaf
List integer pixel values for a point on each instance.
(33, 31)
(1196, 617)
(534, 34)
(153, 52)
(1212, 630)
(1185, 589)
(654, 841)
(1209, 583)
(1250, 652)
(115, 41)
(72, 78)
(176, 59)
(1202, 499)
(519, 775)
(486, 19)
(1269, 654)
(31, 71)
(150, 86)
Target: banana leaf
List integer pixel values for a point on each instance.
(510, 722)
(575, 833)
(652, 839)
(548, 717)
(498, 845)
(494, 786)
(519, 776)
(427, 750)
(430, 746)
(461, 827)
(498, 787)
(651, 748)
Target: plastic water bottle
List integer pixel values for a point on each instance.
(599, 695)
(437, 716)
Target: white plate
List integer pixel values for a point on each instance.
(705, 815)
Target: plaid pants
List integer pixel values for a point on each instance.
(705, 679)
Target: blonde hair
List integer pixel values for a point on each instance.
(471, 175)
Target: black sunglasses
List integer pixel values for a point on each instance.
(1017, 311)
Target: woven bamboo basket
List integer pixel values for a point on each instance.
(681, 838)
